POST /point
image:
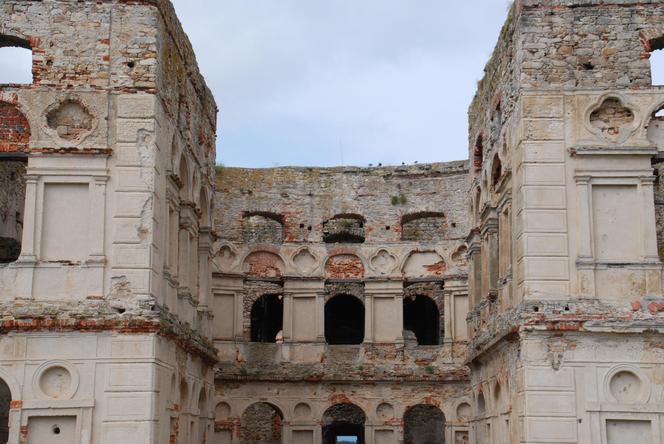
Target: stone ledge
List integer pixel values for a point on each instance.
(28, 316)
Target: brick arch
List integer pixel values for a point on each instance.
(14, 41)
(261, 422)
(344, 266)
(652, 39)
(14, 129)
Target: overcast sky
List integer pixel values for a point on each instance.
(330, 82)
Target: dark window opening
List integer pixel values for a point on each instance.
(478, 154)
(5, 402)
(261, 423)
(267, 318)
(15, 61)
(12, 205)
(344, 320)
(481, 405)
(421, 316)
(496, 125)
(478, 203)
(496, 171)
(343, 423)
(344, 228)
(424, 424)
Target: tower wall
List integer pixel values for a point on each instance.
(567, 282)
(105, 311)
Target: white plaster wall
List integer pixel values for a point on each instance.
(117, 388)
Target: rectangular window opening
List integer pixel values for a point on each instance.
(657, 67)
(15, 61)
(12, 207)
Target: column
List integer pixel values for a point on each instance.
(447, 319)
(29, 220)
(585, 259)
(368, 318)
(320, 315)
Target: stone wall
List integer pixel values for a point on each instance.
(308, 197)
(587, 44)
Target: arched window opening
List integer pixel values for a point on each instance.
(184, 395)
(497, 395)
(478, 154)
(263, 227)
(424, 424)
(481, 405)
(15, 61)
(344, 320)
(496, 125)
(478, 204)
(421, 316)
(496, 172)
(205, 209)
(261, 423)
(183, 176)
(5, 405)
(657, 61)
(12, 206)
(224, 426)
(267, 318)
(344, 228)
(343, 423)
(202, 420)
(14, 142)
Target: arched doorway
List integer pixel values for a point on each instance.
(421, 316)
(343, 424)
(424, 424)
(261, 424)
(5, 404)
(344, 320)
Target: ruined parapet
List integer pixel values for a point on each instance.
(107, 161)
(563, 252)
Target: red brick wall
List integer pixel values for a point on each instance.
(14, 129)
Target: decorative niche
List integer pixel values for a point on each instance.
(70, 120)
